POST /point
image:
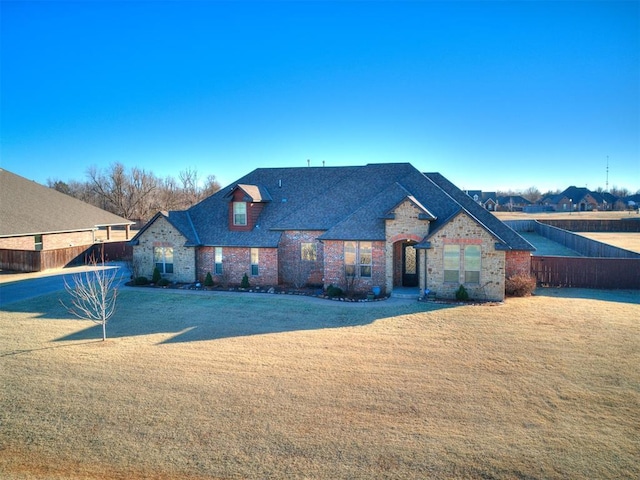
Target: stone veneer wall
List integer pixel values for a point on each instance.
(334, 267)
(162, 234)
(292, 269)
(463, 230)
(405, 226)
(236, 261)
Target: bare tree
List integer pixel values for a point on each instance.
(93, 294)
(126, 193)
(532, 194)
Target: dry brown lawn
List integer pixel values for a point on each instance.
(566, 215)
(628, 241)
(247, 386)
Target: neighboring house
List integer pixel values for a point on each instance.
(35, 218)
(632, 202)
(512, 203)
(488, 200)
(574, 199)
(385, 225)
(611, 202)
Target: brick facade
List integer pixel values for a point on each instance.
(463, 230)
(50, 241)
(517, 261)
(292, 269)
(236, 261)
(334, 268)
(162, 234)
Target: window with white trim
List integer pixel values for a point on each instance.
(452, 263)
(308, 251)
(163, 259)
(472, 264)
(239, 213)
(358, 259)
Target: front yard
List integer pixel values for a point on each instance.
(264, 386)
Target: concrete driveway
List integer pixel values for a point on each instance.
(15, 287)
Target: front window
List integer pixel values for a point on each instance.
(308, 252)
(452, 263)
(218, 261)
(358, 259)
(255, 260)
(366, 259)
(239, 213)
(350, 259)
(163, 258)
(472, 264)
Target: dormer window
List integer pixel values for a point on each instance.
(240, 213)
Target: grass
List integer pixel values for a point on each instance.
(616, 215)
(628, 241)
(224, 386)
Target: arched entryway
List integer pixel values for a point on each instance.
(406, 268)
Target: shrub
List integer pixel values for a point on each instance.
(208, 281)
(245, 281)
(461, 294)
(163, 282)
(155, 278)
(334, 291)
(141, 281)
(519, 285)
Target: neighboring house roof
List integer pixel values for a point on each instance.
(346, 203)
(28, 208)
(513, 199)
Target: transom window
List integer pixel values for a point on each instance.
(163, 258)
(239, 213)
(358, 259)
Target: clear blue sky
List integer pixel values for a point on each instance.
(493, 95)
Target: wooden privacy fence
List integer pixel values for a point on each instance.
(586, 272)
(37, 261)
(631, 224)
(583, 245)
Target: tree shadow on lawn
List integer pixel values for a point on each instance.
(190, 318)
(616, 296)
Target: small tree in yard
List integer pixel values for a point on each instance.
(93, 294)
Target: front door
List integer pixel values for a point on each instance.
(409, 265)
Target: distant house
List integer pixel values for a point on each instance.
(574, 199)
(487, 200)
(512, 203)
(379, 225)
(35, 218)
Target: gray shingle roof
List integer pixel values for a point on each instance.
(347, 203)
(28, 208)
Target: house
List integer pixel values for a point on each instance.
(512, 203)
(574, 199)
(35, 218)
(488, 200)
(379, 225)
